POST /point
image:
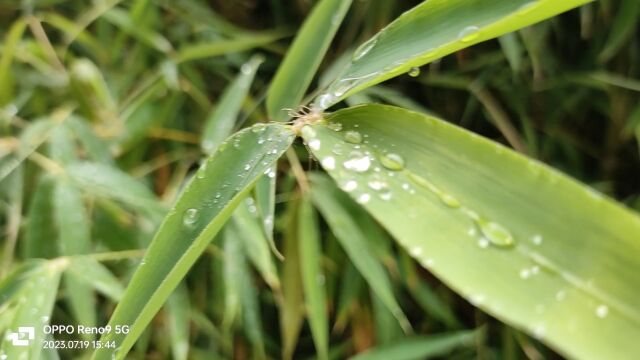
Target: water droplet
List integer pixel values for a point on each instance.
(358, 162)
(472, 232)
(308, 132)
(525, 273)
(449, 200)
(329, 163)
(258, 128)
(200, 174)
(560, 295)
(415, 251)
(323, 101)
(349, 185)
(353, 137)
(602, 311)
(539, 331)
(314, 144)
(392, 161)
(190, 217)
(469, 33)
(385, 194)
(247, 167)
(495, 233)
(414, 72)
(364, 198)
(377, 184)
(335, 126)
(364, 49)
(483, 243)
(536, 239)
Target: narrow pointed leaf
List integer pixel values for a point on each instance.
(96, 275)
(432, 30)
(312, 277)
(304, 56)
(520, 240)
(191, 225)
(326, 197)
(220, 123)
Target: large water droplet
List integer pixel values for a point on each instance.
(353, 137)
(364, 49)
(363, 198)
(414, 72)
(335, 126)
(349, 185)
(314, 144)
(190, 217)
(495, 233)
(358, 162)
(469, 33)
(392, 161)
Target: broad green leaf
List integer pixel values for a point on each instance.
(304, 56)
(430, 31)
(33, 310)
(192, 223)
(423, 347)
(97, 276)
(312, 277)
(518, 239)
(220, 123)
(327, 199)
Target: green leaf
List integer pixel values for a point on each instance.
(39, 237)
(424, 347)
(34, 306)
(221, 47)
(178, 322)
(192, 223)
(220, 123)
(327, 199)
(9, 47)
(518, 239)
(304, 56)
(622, 29)
(97, 276)
(312, 277)
(265, 194)
(430, 31)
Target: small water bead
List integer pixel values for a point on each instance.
(258, 128)
(414, 72)
(495, 233)
(314, 144)
(329, 163)
(190, 217)
(449, 200)
(415, 251)
(536, 239)
(352, 137)
(335, 126)
(364, 49)
(247, 167)
(392, 161)
(349, 185)
(385, 194)
(483, 243)
(363, 198)
(560, 295)
(323, 101)
(358, 162)
(469, 33)
(602, 311)
(525, 273)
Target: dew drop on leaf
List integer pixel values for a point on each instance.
(328, 163)
(602, 311)
(495, 233)
(414, 72)
(190, 217)
(364, 49)
(469, 33)
(392, 161)
(353, 137)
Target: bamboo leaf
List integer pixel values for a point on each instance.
(312, 277)
(292, 80)
(192, 223)
(430, 31)
(220, 123)
(326, 197)
(518, 239)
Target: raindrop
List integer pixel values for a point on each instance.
(308, 132)
(560, 295)
(495, 233)
(258, 128)
(314, 144)
(469, 33)
(353, 137)
(385, 194)
(377, 185)
(364, 198)
(602, 311)
(190, 217)
(247, 167)
(349, 186)
(392, 161)
(329, 163)
(358, 162)
(483, 243)
(525, 273)
(414, 72)
(323, 101)
(364, 49)
(449, 200)
(536, 239)
(335, 126)
(415, 251)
